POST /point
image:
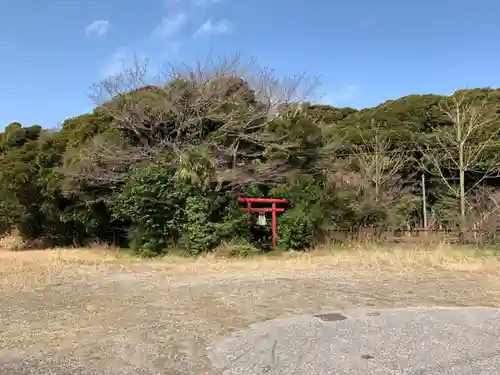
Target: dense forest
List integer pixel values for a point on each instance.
(158, 165)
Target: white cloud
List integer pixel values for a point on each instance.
(341, 97)
(97, 28)
(171, 25)
(211, 27)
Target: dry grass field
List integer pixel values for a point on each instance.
(99, 313)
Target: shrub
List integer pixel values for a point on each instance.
(305, 217)
(296, 229)
(153, 202)
(238, 248)
(199, 233)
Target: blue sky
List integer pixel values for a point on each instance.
(366, 51)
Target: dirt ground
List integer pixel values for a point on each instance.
(86, 312)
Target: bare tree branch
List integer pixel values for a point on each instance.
(463, 146)
(377, 163)
(221, 105)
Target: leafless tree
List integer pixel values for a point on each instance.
(380, 167)
(464, 146)
(378, 164)
(221, 106)
(102, 161)
(483, 211)
(369, 169)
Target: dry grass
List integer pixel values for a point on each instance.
(360, 258)
(37, 264)
(370, 258)
(32, 267)
(161, 314)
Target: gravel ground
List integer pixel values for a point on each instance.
(153, 320)
(443, 341)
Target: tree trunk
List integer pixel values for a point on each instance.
(424, 205)
(462, 192)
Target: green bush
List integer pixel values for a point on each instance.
(146, 243)
(165, 213)
(296, 229)
(199, 233)
(230, 222)
(153, 203)
(238, 248)
(305, 217)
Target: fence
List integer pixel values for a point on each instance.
(416, 235)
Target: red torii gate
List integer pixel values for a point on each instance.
(273, 209)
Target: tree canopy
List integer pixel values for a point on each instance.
(158, 166)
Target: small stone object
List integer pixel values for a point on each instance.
(332, 317)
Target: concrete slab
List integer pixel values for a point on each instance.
(419, 340)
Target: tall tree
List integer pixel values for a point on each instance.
(378, 162)
(467, 146)
(222, 109)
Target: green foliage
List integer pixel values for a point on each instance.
(80, 129)
(296, 229)
(199, 232)
(172, 182)
(152, 202)
(302, 223)
(238, 248)
(229, 222)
